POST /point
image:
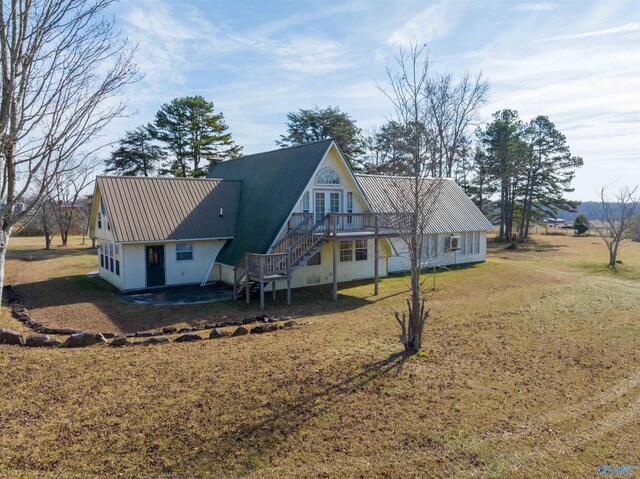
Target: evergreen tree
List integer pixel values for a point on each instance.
(581, 224)
(194, 134)
(548, 172)
(305, 126)
(502, 139)
(387, 150)
(136, 154)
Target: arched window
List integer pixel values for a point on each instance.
(327, 176)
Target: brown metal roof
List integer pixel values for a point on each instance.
(454, 212)
(156, 209)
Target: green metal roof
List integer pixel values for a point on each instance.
(272, 183)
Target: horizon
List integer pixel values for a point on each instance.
(577, 63)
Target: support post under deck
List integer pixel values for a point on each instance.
(376, 252)
(289, 291)
(335, 269)
(273, 290)
(247, 286)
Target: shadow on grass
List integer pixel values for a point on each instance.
(29, 255)
(80, 293)
(256, 438)
(621, 271)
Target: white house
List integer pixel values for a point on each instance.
(286, 218)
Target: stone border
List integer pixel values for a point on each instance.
(78, 339)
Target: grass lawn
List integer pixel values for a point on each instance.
(530, 368)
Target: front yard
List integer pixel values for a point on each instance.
(531, 367)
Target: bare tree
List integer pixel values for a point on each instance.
(414, 195)
(66, 189)
(453, 107)
(47, 222)
(618, 218)
(63, 67)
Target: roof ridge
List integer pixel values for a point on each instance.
(277, 149)
(404, 176)
(161, 178)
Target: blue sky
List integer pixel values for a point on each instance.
(577, 62)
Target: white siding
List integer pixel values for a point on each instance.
(399, 261)
(134, 267)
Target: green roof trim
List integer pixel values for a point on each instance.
(272, 183)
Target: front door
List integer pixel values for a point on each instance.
(326, 202)
(155, 265)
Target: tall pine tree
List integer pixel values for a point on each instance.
(136, 154)
(194, 135)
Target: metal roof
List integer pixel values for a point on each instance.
(454, 212)
(156, 209)
(272, 183)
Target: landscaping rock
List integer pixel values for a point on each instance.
(145, 334)
(108, 335)
(80, 340)
(153, 341)
(120, 341)
(216, 333)
(241, 331)
(185, 330)
(185, 338)
(42, 341)
(8, 336)
(228, 323)
(169, 330)
(248, 320)
(263, 318)
(46, 330)
(264, 328)
(18, 308)
(290, 324)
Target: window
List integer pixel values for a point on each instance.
(99, 220)
(476, 242)
(327, 176)
(184, 251)
(425, 249)
(319, 206)
(334, 202)
(111, 265)
(117, 255)
(349, 206)
(434, 246)
(305, 202)
(346, 251)
(315, 260)
(361, 250)
(101, 249)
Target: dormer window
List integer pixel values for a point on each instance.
(328, 176)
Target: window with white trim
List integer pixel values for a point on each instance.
(327, 176)
(184, 251)
(101, 249)
(117, 258)
(346, 251)
(306, 204)
(111, 259)
(361, 250)
(476, 242)
(349, 206)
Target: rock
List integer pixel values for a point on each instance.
(18, 308)
(145, 334)
(153, 341)
(22, 316)
(80, 340)
(216, 333)
(240, 331)
(228, 323)
(46, 330)
(264, 328)
(248, 320)
(169, 330)
(8, 336)
(185, 330)
(108, 335)
(120, 341)
(42, 341)
(263, 318)
(185, 338)
(290, 324)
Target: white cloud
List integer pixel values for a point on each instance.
(626, 28)
(429, 25)
(535, 7)
(308, 55)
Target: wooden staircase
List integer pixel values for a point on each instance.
(292, 252)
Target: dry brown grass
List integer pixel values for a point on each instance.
(531, 368)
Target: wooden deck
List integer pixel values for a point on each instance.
(303, 240)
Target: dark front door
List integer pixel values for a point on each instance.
(155, 265)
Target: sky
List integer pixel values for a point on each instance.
(577, 62)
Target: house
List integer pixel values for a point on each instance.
(286, 218)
